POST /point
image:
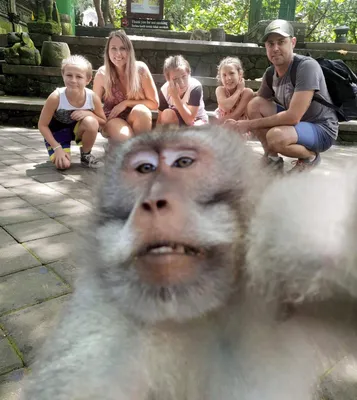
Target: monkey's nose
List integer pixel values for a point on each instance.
(154, 205)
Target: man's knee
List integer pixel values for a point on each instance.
(278, 138)
(259, 107)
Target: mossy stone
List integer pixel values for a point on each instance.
(53, 53)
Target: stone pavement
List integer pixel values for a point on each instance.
(40, 211)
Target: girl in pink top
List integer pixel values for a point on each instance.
(232, 96)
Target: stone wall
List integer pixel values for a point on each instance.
(204, 56)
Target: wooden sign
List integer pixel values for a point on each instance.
(145, 23)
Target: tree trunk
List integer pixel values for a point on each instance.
(99, 12)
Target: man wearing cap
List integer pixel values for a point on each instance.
(284, 116)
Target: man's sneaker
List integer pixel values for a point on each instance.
(304, 164)
(89, 160)
(274, 165)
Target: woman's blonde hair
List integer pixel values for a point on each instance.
(131, 73)
(235, 61)
(173, 62)
(78, 61)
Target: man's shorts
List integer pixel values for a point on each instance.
(64, 134)
(312, 136)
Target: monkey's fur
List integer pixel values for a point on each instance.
(204, 325)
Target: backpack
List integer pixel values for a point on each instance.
(341, 84)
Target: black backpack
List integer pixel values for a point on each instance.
(341, 84)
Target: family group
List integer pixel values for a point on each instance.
(282, 114)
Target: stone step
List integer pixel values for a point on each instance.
(31, 70)
(347, 131)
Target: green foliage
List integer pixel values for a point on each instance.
(320, 16)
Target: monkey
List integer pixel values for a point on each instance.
(173, 301)
(200, 34)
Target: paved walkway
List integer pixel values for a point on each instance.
(40, 210)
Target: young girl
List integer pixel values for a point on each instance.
(232, 96)
(73, 112)
(181, 97)
(127, 89)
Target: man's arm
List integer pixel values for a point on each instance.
(300, 102)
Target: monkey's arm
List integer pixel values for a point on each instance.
(303, 238)
(85, 351)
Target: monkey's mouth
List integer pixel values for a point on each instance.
(170, 248)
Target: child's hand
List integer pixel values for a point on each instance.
(78, 115)
(241, 84)
(173, 90)
(118, 109)
(62, 159)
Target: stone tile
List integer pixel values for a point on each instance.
(49, 177)
(13, 202)
(83, 197)
(4, 193)
(75, 222)
(34, 167)
(38, 157)
(14, 181)
(5, 239)
(42, 228)
(8, 173)
(36, 193)
(64, 207)
(65, 270)
(67, 185)
(17, 215)
(29, 287)
(14, 257)
(10, 384)
(30, 327)
(53, 248)
(9, 359)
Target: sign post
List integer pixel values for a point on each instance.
(145, 14)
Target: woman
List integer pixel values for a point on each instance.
(127, 89)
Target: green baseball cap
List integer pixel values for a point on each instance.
(280, 26)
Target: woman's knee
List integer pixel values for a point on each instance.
(117, 129)
(140, 119)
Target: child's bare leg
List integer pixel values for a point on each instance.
(168, 117)
(87, 131)
(140, 119)
(117, 130)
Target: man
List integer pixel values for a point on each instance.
(291, 124)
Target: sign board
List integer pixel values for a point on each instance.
(145, 23)
(145, 9)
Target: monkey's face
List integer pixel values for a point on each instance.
(170, 222)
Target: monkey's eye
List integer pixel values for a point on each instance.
(146, 168)
(183, 162)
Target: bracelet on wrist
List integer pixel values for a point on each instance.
(57, 147)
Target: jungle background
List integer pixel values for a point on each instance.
(320, 16)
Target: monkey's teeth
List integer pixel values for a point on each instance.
(162, 250)
(168, 249)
